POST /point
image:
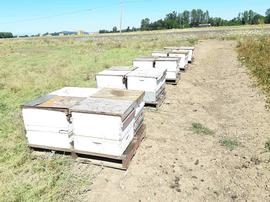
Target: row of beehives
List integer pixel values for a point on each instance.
(149, 73)
(103, 120)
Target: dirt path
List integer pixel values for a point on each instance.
(174, 164)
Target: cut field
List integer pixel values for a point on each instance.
(207, 142)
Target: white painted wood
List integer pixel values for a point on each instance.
(45, 120)
(187, 48)
(183, 59)
(148, 80)
(75, 92)
(49, 139)
(104, 146)
(111, 79)
(98, 126)
(188, 53)
(144, 62)
(160, 54)
(135, 96)
(47, 128)
(170, 64)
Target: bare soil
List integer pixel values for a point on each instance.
(174, 164)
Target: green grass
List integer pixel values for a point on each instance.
(254, 52)
(199, 129)
(229, 144)
(31, 68)
(267, 145)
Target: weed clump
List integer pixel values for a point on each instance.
(267, 146)
(230, 144)
(199, 129)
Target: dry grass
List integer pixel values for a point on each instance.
(255, 54)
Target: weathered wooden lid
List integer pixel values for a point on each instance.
(53, 102)
(75, 92)
(186, 52)
(174, 59)
(147, 73)
(161, 51)
(122, 68)
(150, 59)
(101, 106)
(112, 73)
(116, 94)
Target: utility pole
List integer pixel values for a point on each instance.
(121, 14)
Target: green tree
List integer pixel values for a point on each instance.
(267, 16)
(114, 30)
(145, 24)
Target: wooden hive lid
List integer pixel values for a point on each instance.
(161, 51)
(147, 73)
(122, 68)
(53, 102)
(109, 72)
(75, 92)
(176, 59)
(147, 58)
(117, 94)
(101, 106)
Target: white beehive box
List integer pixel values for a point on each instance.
(103, 126)
(144, 62)
(130, 95)
(114, 77)
(152, 81)
(160, 53)
(187, 48)
(183, 59)
(185, 52)
(171, 65)
(47, 121)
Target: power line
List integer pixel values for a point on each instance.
(71, 13)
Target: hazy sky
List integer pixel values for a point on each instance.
(20, 16)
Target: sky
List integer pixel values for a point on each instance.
(36, 16)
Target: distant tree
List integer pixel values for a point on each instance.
(171, 21)
(196, 17)
(114, 30)
(6, 35)
(145, 24)
(103, 31)
(186, 19)
(267, 16)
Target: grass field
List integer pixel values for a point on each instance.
(255, 54)
(31, 68)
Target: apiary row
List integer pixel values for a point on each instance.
(103, 121)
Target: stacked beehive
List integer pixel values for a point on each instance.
(144, 78)
(73, 119)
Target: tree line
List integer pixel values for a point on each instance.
(6, 35)
(196, 18)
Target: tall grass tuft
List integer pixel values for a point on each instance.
(254, 52)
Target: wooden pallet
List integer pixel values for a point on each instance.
(118, 162)
(160, 101)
